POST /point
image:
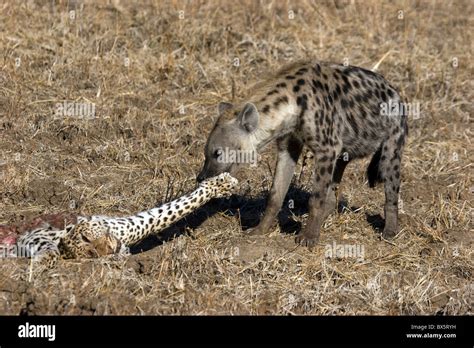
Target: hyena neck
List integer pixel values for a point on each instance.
(276, 119)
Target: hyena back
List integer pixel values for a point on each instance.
(339, 112)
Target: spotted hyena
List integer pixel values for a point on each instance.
(339, 112)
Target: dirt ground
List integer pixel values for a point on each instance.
(155, 72)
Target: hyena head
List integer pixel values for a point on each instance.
(230, 144)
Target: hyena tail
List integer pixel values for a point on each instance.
(373, 173)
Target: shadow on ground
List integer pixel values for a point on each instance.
(249, 212)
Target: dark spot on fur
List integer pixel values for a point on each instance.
(317, 84)
(301, 71)
(329, 98)
(346, 88)
(274, 91)
(280, 100)
(330, 168)
(336, 93)
(302, 101)
(353, 123)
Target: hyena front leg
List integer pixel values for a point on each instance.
(389, 171)
(289, 150)
(318, 210)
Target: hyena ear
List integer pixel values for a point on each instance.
(248, 117)
(223, 107)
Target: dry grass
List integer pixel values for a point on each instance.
(146, 142)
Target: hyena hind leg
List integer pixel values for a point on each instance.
(389, 174)
(331, 199)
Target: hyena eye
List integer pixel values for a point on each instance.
(217, 153)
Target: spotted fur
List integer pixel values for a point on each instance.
(101, 235)
(334, 110)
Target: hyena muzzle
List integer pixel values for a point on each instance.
(340, 113)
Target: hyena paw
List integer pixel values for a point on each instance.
(307, 240)
(389, 233)
(256, 231)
